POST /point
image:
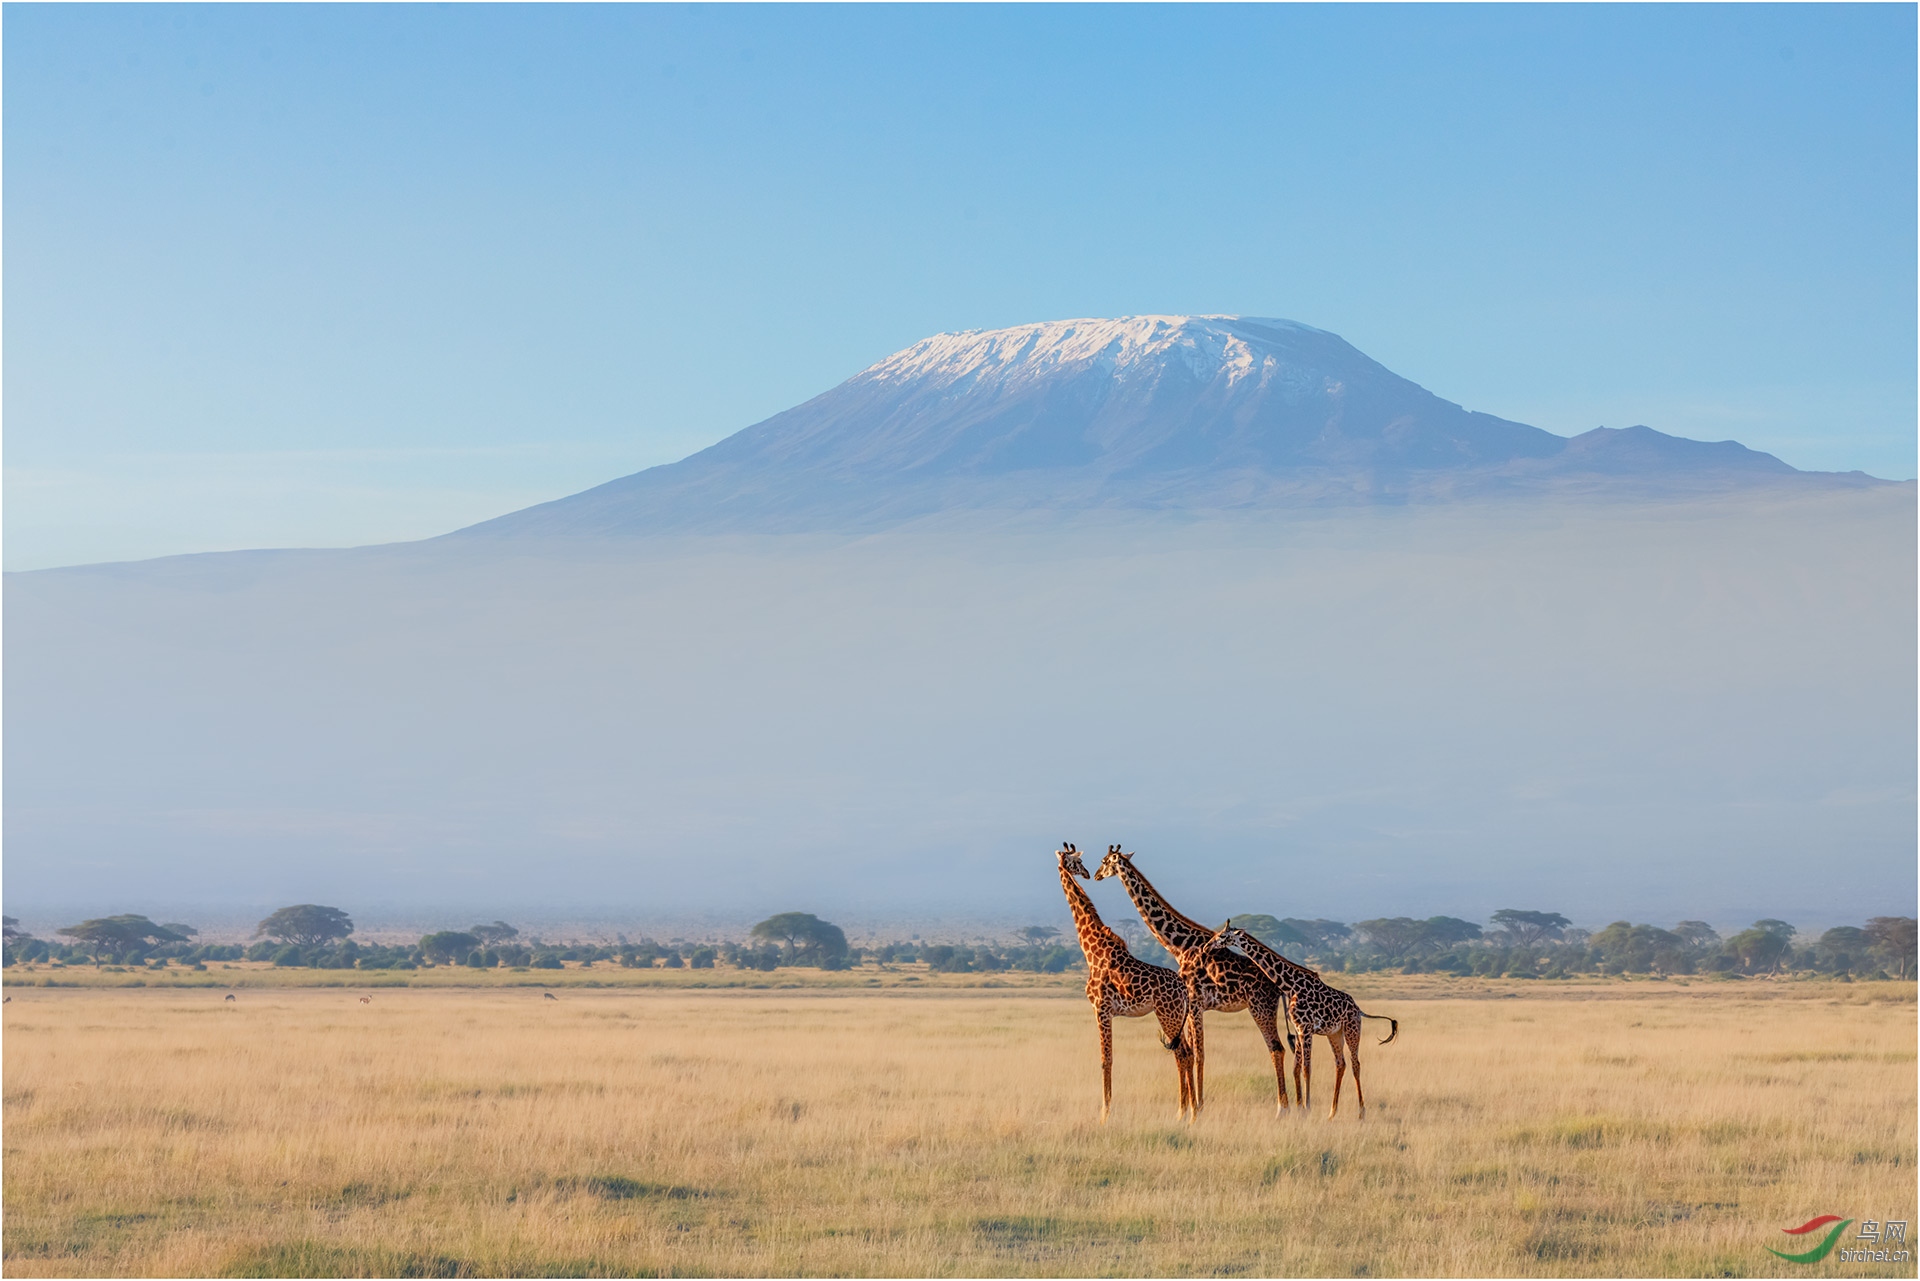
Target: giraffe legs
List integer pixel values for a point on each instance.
(1303, 1070)
(1353, 1048)
(1173, 1027)
(1195, 1021)
(1106, 1065)
(1263, 1018)
(1339, 1072)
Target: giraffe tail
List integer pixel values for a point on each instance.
(1395, 1022)
(1176, 1044)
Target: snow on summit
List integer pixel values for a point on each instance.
(1206, 346)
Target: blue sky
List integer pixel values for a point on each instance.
(332, 275)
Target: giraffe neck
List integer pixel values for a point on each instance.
(1175, 932)
(1094, 935)
(1288, 975)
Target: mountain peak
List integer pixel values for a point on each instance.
(1158, 412)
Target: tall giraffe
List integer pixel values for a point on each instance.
(1216, 979)
(1120, 983)
(1317, 1010)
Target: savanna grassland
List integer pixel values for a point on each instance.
(941, 1128)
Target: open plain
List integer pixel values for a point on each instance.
(937, 1127)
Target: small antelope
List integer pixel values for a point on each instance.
(550, 996)
(366, 1000)
(229, 996)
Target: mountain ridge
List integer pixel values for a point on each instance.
(1150, 412)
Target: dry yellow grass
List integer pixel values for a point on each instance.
(1619, 1129)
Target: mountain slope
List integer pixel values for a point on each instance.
(1193, 412)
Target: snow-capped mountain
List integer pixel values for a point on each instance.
(1188, 412)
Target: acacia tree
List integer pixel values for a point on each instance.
(1893, 938)
(1321, 935)
(1764, 946)
(449, 945)
(1626, 948)
(1529, 929)
(1396, 936)
(1442, 932)
(306, 925)
(803, 936)
(1842, 947)
(120, 933)
(1698, 937)
(1402, 936)
(497, 933)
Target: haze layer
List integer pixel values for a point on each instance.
(1313, 640)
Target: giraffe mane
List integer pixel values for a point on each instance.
(1165, 906)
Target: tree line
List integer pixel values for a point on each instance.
(1518, 943)
(1515, 943)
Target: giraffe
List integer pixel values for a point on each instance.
(1317, 1010)
(1216, 979)
(1120, 983)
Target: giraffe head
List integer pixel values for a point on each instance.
(1069, 856)
(1225, 936)
(1110, 865)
